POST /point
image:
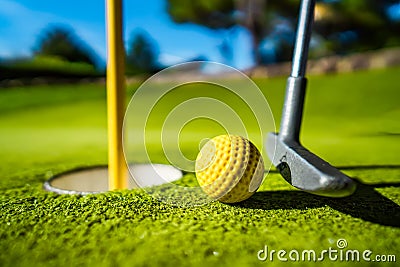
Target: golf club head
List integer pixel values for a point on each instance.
(305, 170)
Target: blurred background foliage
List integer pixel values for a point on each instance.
(341, 27)
(61, 42)
(142, 54)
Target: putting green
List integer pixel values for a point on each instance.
(351, 120)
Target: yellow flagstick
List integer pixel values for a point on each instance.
(115, 95)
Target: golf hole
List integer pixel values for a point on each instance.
(95, 179)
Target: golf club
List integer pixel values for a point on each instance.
(300, 167)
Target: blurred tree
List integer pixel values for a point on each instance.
(221, 14)
(356, 25)
(142, 54)
(61, 42)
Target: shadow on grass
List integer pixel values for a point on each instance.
(366, 203)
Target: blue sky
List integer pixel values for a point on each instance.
(21, 22)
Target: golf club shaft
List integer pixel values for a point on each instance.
(296, 85)
(293, 109)
(303, 35)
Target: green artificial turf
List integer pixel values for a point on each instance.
(351, 120)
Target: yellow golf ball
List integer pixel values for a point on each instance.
(229, 168)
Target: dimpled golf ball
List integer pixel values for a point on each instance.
(229, 168)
